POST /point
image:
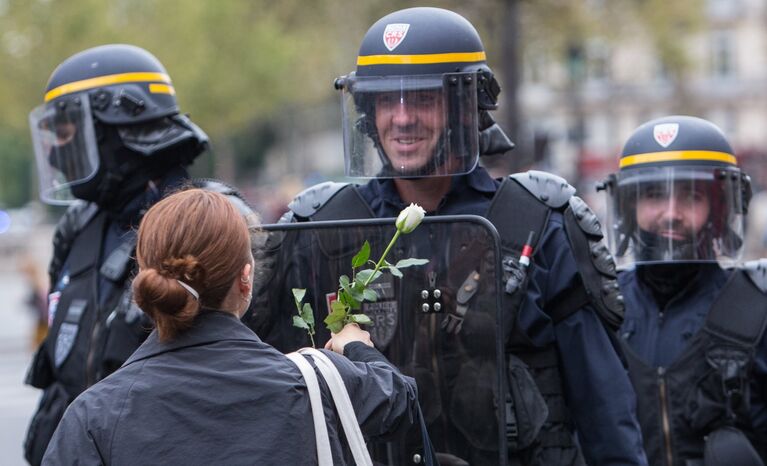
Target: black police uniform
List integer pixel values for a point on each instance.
(693, 332)
(108, 137)
(688, 355)
(218, 395)
(569, 348)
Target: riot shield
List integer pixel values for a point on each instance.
(440, 323)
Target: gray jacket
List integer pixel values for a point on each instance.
(219, 395)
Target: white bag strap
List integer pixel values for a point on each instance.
(344, 406)
(324, 456)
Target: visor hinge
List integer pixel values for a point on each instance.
(100, 100)
(131, 104)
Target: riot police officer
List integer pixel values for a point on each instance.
(416, 119)
(693, 332)
(109, 141)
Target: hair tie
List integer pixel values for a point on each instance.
(189, 289)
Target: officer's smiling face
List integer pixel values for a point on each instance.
(677, 214)
(409, 126)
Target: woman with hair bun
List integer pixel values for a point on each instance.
(203, 388)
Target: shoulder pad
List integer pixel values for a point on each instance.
(287, 217)
(757, 272)
(75, 218)
(309, 201)
(550, 189)
(586, 218)
(70, 224)
(232, 194)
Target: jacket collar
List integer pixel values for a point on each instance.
(209, 326)
(477, 180)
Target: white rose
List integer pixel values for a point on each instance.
(410, 218)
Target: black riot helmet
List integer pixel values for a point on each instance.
(417, 103)
(109, 124)
(678, 196)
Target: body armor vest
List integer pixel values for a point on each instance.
(707, 386)
(539, 427)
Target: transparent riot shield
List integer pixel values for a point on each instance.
(440, 323)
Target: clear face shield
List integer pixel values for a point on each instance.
(675, 214)
(410, 126)
(65, 147)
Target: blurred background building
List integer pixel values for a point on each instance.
(578, 76)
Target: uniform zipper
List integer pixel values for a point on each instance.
(665, 423)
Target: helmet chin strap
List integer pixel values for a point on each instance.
(492, 139)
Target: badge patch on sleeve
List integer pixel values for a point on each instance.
(65, 340)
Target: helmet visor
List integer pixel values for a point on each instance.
(675, 214)
(410, 126)
(65, 148)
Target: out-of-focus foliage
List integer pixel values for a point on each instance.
(238, 65)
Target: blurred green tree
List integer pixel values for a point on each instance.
(238, 66)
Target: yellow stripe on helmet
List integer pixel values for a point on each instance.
(425, 59)
(107, 80)
(671, 156)
(156, 88)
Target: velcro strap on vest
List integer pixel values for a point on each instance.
(739, 313)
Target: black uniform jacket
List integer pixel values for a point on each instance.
(218, 395)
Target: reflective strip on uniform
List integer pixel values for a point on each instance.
(107, 80)
(671, 156)
(425, 59)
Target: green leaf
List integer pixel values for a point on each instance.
(335, 327)
(343, 280)
(308, 314)
(356, 294)
(358, 285)
(370, 295)
(338, 306)
(411, 262)
(350, 299)
(334, 320)
(360, 319)
(363, 276)
(300, 323)
(395, 271)
(362, 256)
(356, 304)
(298, 294)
